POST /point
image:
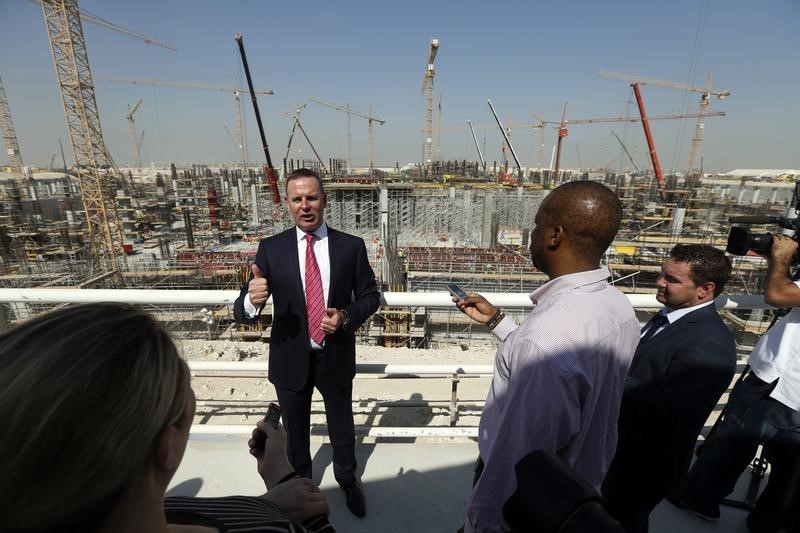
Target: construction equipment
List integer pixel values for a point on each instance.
(477, 147)
(651, 147)
(99, 21)
(93, 164)
(9, 134)
(269, 170)
(562, 132)
(134, 139)
(427, 91)
(181, 84)
(705, 96)
(370, 119)
(630, 157)
(507, 140)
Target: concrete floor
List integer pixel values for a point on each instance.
(409, 486)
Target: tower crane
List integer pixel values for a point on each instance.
(132, 125)
(297, 124)
(93, 163)
(237, 105)
(369, 117)
(9, 134)
(427, 91)
(705, 96)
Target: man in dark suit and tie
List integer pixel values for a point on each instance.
(322, 289)
(685, 360)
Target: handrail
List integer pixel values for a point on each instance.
(393, 299)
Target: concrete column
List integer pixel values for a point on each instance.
(383, 209)
(466, 226)
(678, 214)
(756, 194)
(254, 200)
(488, 216)
(774, 195)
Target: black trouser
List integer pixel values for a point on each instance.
(296, 412)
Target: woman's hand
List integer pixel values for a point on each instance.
(272, 462)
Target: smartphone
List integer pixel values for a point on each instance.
(273, 415)
(456, 291)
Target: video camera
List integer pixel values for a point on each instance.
(741, 239)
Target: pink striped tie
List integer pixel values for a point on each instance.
(315, 299)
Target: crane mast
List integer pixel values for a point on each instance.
(136, 145)
(92, 161)
(9, 134)
(427, 91)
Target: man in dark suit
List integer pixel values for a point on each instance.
(685, 360)
(322, 289)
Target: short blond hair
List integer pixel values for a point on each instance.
(84, 393)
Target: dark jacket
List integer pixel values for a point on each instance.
(352, 288)
(675, 381)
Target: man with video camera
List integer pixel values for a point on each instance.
(762, 409)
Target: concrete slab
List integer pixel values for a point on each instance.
(408, 486)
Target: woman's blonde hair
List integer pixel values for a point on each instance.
(84, 393)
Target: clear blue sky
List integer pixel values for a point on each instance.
(524, 55)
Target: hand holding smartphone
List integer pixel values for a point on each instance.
(272, 418)
(456, 291)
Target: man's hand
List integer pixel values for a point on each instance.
(779, 289)
(476, 307)
(258, 288)
(333, 320)
(299, 498)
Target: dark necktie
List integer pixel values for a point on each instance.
(651, 327)
(315, 299)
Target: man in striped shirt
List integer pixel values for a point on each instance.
(559, 375)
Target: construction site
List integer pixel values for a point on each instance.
(95, 225)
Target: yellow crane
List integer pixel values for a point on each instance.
(705, 96)
(427, 91)
(370, 119)
(9, 134)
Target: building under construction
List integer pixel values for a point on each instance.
(199, 227)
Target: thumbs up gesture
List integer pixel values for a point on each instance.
(258, 287)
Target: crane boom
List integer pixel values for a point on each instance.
(186, 85)
(269, 170)
(662, 83)
(348, 110)
(94, 19)
(626, 151)
(630, 119)
(508, 141)
(650, 143)
(477, 146)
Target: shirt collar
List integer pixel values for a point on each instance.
(321, 232)
(673, 316)
(569, 282)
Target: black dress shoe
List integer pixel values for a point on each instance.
(355, 500)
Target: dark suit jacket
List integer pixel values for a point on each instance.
(352, 287)
(675, 380)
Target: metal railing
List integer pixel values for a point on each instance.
(395, 299)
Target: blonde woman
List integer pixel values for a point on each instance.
(96, 407)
